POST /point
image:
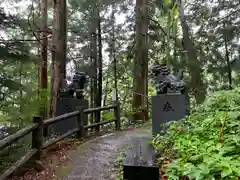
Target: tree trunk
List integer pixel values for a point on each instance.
(113, 52)
(63, 36)
(21, 93)
(196, 82)
(91, 97)
(93, 56)
(59, 52)
(140, 82)
(43, 56)
(105, 93)
(229, 68)
(99, 94)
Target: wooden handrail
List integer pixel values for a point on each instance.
(74, 113)
(91, 110)
(60, 118)
(16, 136)
(37, 133)
(18, 164)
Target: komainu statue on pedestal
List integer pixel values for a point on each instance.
(166, 82)
(75, 87)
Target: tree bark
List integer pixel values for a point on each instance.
(93, 57)
(58, 52)
(105, 92)
(63, 35)
(99, 89)
(113, 52)
(140, 82)
(43, 55)
(229, 68)
(194, 67)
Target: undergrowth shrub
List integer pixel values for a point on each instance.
(206, 144)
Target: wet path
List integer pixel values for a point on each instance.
(96, 159)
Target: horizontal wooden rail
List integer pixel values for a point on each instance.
(91, 110)
(55, 140)
(100, 123)
(60, 118)
(74, 113)
(37, 133)
(18, 164)
(16, 136)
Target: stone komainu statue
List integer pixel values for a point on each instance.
(166, 82)
(76, 86)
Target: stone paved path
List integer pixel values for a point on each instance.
(96, 159)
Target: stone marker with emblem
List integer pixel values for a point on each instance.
(171, 102)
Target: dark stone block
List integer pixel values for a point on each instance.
(140, 162)
(67, 105)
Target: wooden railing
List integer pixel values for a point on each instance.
(37, 134)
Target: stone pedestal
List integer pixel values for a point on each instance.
(140, 162)
(67, 105)
(166, 108)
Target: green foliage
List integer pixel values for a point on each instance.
(120, 168)
(205, 145)
(18, 82)
(107, 116)
(25, 108)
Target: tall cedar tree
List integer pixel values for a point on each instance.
(140, 81)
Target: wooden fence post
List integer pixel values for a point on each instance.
(80, 124)
(37, 137)
(117, 115)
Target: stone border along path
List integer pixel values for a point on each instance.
(98, 159)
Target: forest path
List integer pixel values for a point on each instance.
(98, 158)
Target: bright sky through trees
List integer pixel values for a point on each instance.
(21, 7)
